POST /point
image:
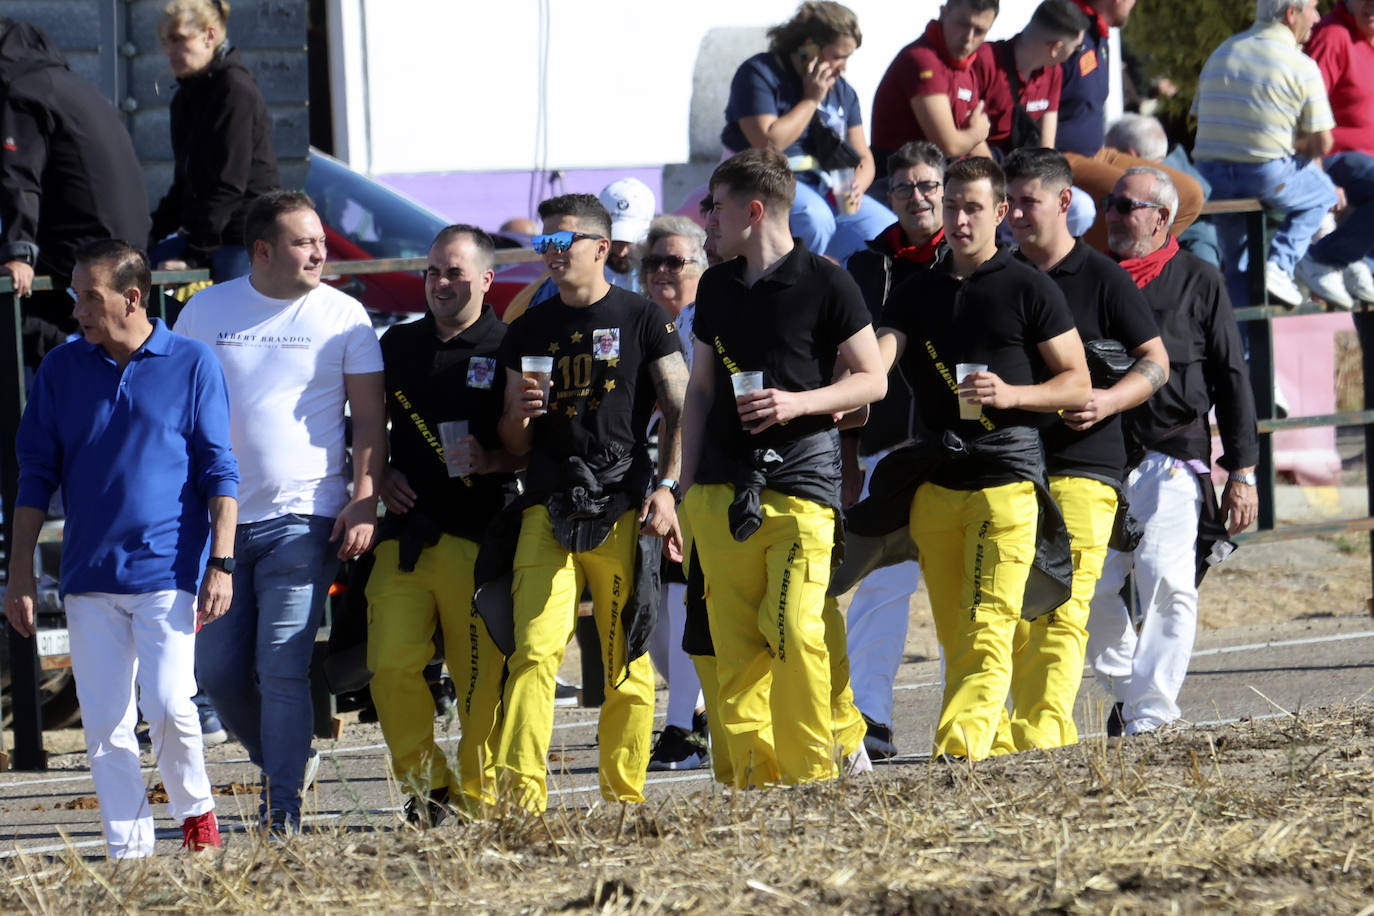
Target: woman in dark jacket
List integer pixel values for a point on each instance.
(221, 143)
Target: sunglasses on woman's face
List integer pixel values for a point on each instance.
(675, 264)
(559, 241)
(1125, 206)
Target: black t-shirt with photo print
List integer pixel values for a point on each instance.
(431, 381)
(998, 316)
(602, 395)
(788, 325)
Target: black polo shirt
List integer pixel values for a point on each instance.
(431, 381)
(602, 394)
(788, 325)
(1105, 304)
(999, 316)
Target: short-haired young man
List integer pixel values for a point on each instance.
(762, 468)
(1029, 64)
(590, 487)
(1085, 453)
(941, 86)
(876, 622)
(132, 422)
(440, 369)
(974, 512)
(294, 353)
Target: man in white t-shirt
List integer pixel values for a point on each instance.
(294, 352)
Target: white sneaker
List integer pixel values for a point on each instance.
(1325, 282)
(858, 763)
(1280, 286)
(1358, 281)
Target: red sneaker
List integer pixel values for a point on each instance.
(199, 831)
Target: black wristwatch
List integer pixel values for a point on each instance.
(673, 488)
(225, 563)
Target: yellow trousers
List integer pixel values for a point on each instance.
(547, 586)
(976, 550)
(1048, 652)
(765, 599)
(403, 609)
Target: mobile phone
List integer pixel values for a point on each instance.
(809, 52)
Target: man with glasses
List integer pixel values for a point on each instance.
(1169, 446)
(589, 488)
(1085, 452)
(760, 467)
(880, 607)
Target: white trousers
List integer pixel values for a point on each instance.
(1145, 672)
(665, 650)
(875, 630)
(116, 639)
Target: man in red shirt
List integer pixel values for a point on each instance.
(942, 86)
(1029, 68)
(1338, 267)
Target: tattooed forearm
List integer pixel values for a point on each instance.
(670, 383)
(1153, 372)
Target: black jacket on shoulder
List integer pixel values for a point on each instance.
(223, 153)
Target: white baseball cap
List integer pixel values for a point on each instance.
(631, 205)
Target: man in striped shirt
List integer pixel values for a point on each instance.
(1263, 125)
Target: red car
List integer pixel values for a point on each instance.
(364, 220)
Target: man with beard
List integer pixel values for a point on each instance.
(631, 205)
(879, 609)
(1170, 442)
(439, 370)
(1085, 453)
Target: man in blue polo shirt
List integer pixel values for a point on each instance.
(133, 424)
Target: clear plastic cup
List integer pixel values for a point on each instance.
(449, 434)
(843, 181)
(539, 368)
(746, 383)
(969, 408)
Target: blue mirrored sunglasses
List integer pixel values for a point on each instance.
(559, 241)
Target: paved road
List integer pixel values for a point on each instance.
(1256, 671)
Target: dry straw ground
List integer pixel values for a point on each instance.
(1256, 817)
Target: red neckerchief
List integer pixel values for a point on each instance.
(921, 254)
(1087, 7)
(1144, 270)
(935, 37)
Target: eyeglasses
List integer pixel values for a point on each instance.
(1125, 206)
(675, 264)
(560, 241)
(906, 191)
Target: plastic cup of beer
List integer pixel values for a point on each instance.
(969, 406)
(539, 368)
(449, 434)
(844, 183)
(746, 383)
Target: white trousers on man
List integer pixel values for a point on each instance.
(675, 665)
(149, 638)
(1144, 672)
(875, 628)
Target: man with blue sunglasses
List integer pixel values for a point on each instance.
(594, 507)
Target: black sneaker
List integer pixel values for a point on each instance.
(565, 694)
(878, 740)
(1116, 722)
(678, 749)
(700, 727)
(445, 697)
(429, 812)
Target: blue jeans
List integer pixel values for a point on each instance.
(1354, 236)
(838, 235)
(227, 262)
(255, 660)
(1293, 186)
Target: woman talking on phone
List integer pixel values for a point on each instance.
(794, 98)
(221, 144)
